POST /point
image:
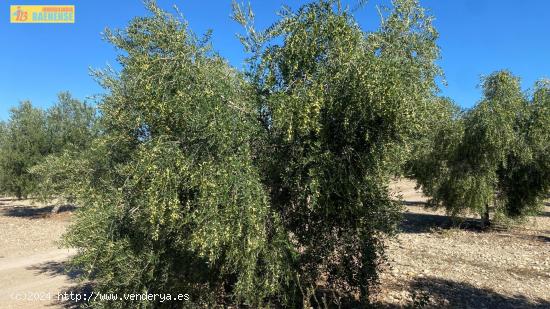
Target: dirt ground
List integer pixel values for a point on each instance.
(31, 262)
(467, 267)
(444, 266)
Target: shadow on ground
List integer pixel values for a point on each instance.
(33, 212)
(427, 223)
(71, 297)
(433, 292)
(447, 293)
(423, 222)
(75, 297)
(54, 269)
(542, 238)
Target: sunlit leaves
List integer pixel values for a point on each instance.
(184, 204)
(24, 143)
(495, 155)
(339, 104)
(250, 188)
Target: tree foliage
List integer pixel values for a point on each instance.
(32, 138)
(24, 143)
(252, 188)
(495, 155)
(71, 124)
(337, 104)
(433, 146)
(71, 127)
(270, 187)
(184, 209)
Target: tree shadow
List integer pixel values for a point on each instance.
(73, 297)
(423, 223)
(32, 212)
(54, 269)
(414, 203)
(453, 294)
(542, 238)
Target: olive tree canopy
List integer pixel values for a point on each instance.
(495, 156)
(252, 188)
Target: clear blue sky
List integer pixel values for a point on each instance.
(476, 37)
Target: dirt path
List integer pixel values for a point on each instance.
(31, 263)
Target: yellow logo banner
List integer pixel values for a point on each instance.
(52, 14)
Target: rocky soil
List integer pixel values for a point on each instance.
(431, 263)
(32, 269)
(434, 265)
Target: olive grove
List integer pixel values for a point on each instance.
(269, 186)
(32, 135)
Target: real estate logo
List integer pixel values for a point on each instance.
(57, 14)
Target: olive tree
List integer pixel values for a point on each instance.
(434, 146)
(337, 104)
(180, 206)
(32, 138)
(260, 188)
(71, 124)
(71, 127)
(24, 143)
(3, 141)
(495, 157)
(525, 181)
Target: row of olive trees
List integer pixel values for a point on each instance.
(32, 135)
(262, 188)
(494, 156)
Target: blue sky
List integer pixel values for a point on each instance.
(476, 37)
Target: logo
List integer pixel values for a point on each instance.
(51, 14)
(19, 15)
